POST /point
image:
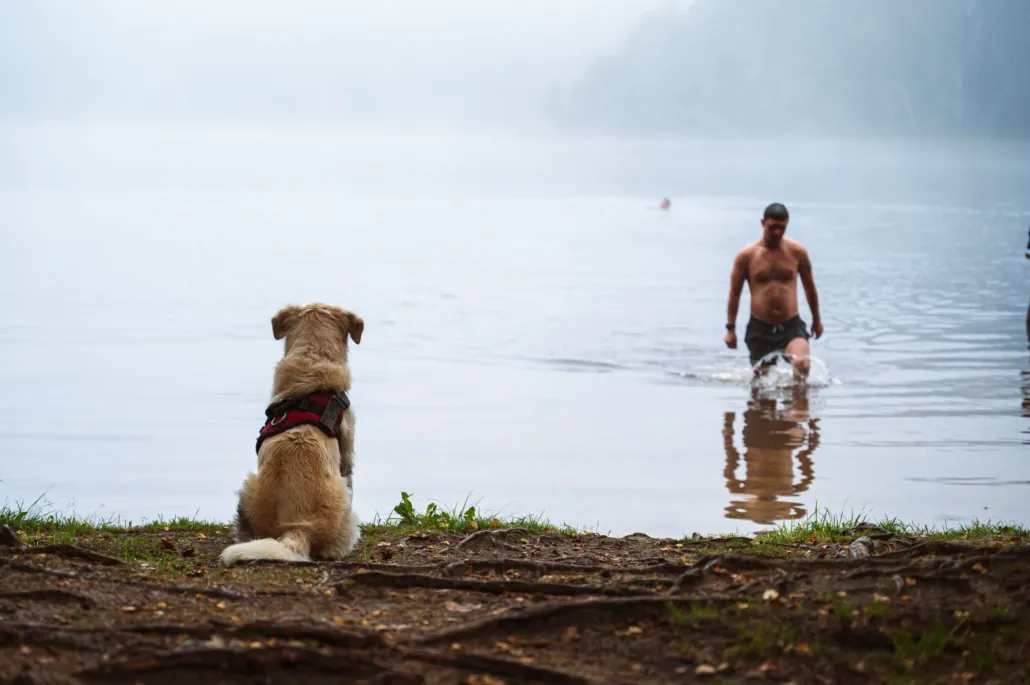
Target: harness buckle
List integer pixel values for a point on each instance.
(330, 417)
(277, 420)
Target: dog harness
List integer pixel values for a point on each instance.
(323, 409)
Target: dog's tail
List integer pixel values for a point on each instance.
(293, 545)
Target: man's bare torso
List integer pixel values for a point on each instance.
(772, 278)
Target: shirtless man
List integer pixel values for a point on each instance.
(771, 267)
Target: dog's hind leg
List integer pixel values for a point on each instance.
(348, 532)
(345, 440)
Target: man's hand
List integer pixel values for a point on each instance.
(731, 340)
(817, 329)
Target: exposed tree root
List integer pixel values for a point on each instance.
(218, 592)
(566, 611)
(493, 533)
(371, 566)
(505, 668)
(8, 538)
(929, 547)
(280, 630)
(462, 567)
(36, 633)
(66, 551)
(29, 568)
(49, 595)
(406, 580)
(241, 660)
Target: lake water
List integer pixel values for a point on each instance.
(540, 339)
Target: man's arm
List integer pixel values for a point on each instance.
(811, 293)
(738, 275)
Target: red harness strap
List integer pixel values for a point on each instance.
(322, 409)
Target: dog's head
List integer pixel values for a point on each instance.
(321, 327)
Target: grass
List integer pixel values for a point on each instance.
(35, 521)
(821, 527)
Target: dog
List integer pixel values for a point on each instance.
(298, 504)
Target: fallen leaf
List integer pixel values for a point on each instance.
(802, 648)
(495, 523)
(256, 645)
(129, 609)
(221, 605)
(910, 581)
(473, 525)
(456, 646)
(338, 620)
(979, 568)
(704, 669)
(460, 608)
(634, 630)
(201, 536)
(571, 633)
(161, 605)
(884, 599)
(484, 679)
(770, 595)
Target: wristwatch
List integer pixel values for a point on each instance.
(731, 326)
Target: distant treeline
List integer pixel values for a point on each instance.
(834, 67)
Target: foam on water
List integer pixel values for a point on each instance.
(778, 376)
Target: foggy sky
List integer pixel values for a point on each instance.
(299, 62)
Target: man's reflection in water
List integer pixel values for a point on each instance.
(770, 437)
(1024, 376)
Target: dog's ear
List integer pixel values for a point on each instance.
(283, 321)
(350, 324)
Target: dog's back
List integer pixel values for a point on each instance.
(298, 504)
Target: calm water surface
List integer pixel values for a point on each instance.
(539, 338)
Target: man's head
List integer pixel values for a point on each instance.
(774, 224)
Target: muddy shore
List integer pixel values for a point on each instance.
(516, 606)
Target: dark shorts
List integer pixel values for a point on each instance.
(762, 338)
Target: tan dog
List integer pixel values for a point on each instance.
(298, 504)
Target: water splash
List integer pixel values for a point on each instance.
(780, 375)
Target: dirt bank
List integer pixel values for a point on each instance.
(516, 606)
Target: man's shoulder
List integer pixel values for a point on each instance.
(748, 250)
(794, 246)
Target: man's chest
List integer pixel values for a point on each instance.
(778, 268)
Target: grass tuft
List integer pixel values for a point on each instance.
(824, 526)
